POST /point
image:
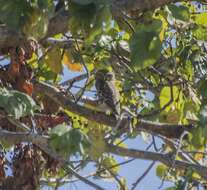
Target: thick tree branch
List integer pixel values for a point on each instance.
(166, 159)
(167, 130)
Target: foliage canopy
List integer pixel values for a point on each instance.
(51, 122)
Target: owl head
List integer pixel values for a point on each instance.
(105, 75)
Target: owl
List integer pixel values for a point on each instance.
(107, 92)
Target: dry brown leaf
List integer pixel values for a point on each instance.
(24, 86)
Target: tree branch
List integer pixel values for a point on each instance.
(163, 158)
(167, 130)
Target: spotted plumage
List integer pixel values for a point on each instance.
(107, 91)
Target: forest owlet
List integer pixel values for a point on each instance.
(107, 92)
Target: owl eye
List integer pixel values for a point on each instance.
(109, 76)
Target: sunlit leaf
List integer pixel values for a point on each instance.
(53, 60)
(96, 134)
(200, 154)
(161, 170)
(200, 32)
(200, 19)
(166, 95)
(109, 162)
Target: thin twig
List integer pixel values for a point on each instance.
(87, 73)
(143, 175)
(157, 111)
(73, 80)
(66, 180)
(18, 124)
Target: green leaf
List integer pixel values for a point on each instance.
(45, 4)
(202, 88)
(103, 17)
(6, 144)
(198, 137)
(12, 13)
(171, 188)
(91, 18)
(179, 12)
(16, 104)
(161, 170)
(82, 17)
(68, 141)
(200, 32)
(110, 162)
(27, 16)
(36, 24)
(83, 2)
(146, 46)
(165, 96)
(45, 73)
(59, 130)
(53, 60)
(200, 19)
(203, 116)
